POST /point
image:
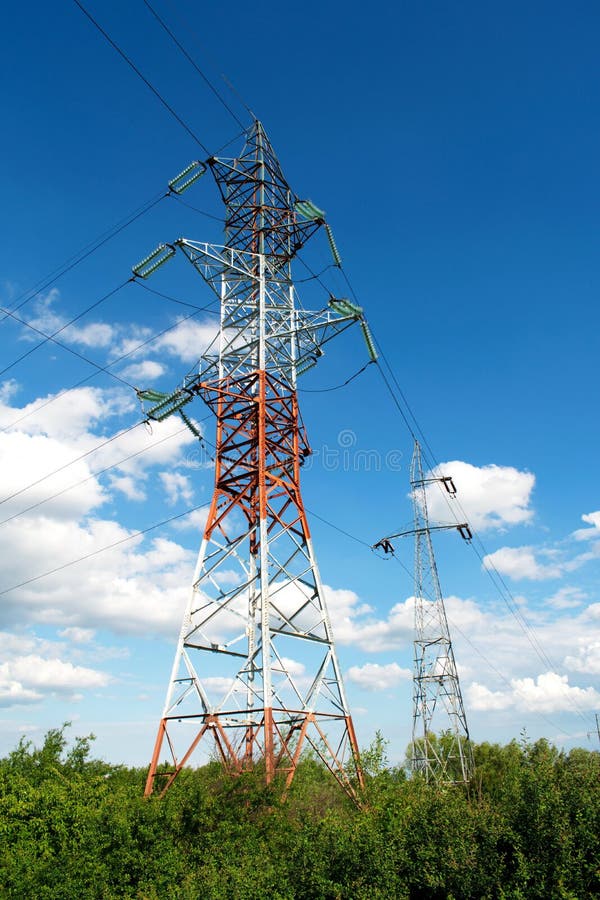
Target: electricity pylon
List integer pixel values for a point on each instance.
(440, 747)
(257, 610)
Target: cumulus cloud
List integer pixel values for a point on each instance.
(145, 371)
(587, 659)
(177, 487)
(196, 521)
(49, 320)
(67, 416)
(521, 562)
(136, 587)
(53, 453)
(188, 340)
(33, 668)
(31, 460)
(492, 496)
(52, 674)
(354, 621)
(548, 693)
(584, 534)
(375, 677)
(78, 635)
(567, 598)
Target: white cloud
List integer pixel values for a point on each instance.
(584, 534)
(140, 586)
(177, 487)
(144, 372)
(52, 674)
(188, 340)
(587, 659)
(479, 697)
(567, 598)
(127, 485)
(96, 334)
(520, 562)
(136, 587)
(293, 667)
(54, 437)
(8, 389)
(551, 692)
(12, 693)
(196, 521)
(68, 416)
(374, 677)
(548, 693)
(48, 320)
(27, 459)
(492, 496)
(78, 635)
(27, 679)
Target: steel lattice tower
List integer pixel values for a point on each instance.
(440, 738)
(440, 746)
(257, 606)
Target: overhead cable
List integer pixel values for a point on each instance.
(204, 77)
(125, 540)
(148, 84)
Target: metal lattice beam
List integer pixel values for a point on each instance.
(257, 609)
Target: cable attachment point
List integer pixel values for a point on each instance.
(305, 364)
(308, 210)
(345, 307)
(464, 529)
(384, 545)
(187, 178)
(165, 405)
(448, 483)
(153, 261)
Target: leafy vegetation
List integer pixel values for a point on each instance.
(74, 827)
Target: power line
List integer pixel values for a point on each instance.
(72, 462)
(96, 474)
(201, 212)
(193, 63)
(491, 570)
(190, 31)
(87, 378)
(118, 543)
(148, 84)
(492, 667)
(50, 337)
(337, 386)
(208, 308)
(85, 252)
(499, 584)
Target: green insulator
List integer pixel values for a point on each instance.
(345, 307)
(308, 209)
(334, 250)
(181, 182)
(151, 396)
(305, 364)
(338, 306)
(190, 425)
(169, 404)
(368, 340)
(154, 261)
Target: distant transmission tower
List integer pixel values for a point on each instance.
(440, 747)
(257, 609)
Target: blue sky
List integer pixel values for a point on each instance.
(455, 153)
